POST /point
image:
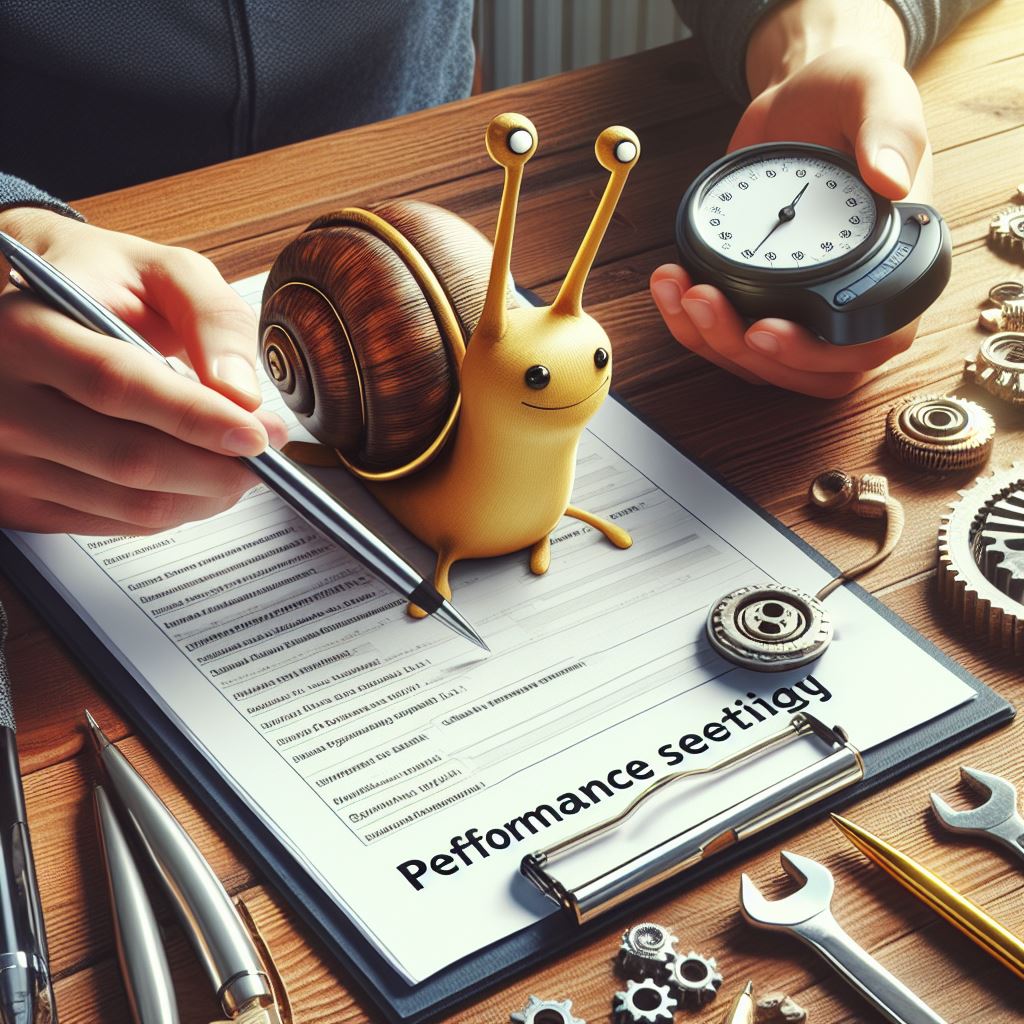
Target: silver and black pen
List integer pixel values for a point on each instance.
(204, 908)
(140, 951)
(302, 492)
(26, 995)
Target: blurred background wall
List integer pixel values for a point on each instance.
(518, 40)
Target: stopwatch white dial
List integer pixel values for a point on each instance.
(785, 211)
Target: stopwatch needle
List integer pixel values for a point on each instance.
(787, 213)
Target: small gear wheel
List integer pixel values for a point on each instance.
(938, 433)
(769, 628)
(999, 367)
(546, 1011)
(1006, 231)
(644, 1002)
(981, 558)
(694, 978)
(644, 950)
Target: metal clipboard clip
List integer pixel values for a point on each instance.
(842, 766)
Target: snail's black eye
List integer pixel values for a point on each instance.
(538, 377)
(601, 358)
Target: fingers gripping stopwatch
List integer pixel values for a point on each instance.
(791, 230)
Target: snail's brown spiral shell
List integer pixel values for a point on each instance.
(364, 323)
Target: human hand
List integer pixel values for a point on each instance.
(855, 98)
(96, 436)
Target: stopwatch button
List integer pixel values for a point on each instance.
(844, 296)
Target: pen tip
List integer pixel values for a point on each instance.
(99, 737)
(748, 989)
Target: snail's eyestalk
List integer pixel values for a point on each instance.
(511, 141)
(618, 150)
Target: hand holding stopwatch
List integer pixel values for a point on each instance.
(848, 264)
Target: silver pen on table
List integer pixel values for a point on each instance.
(301, 491)
(204, 908)
(26, 993)
(140, 951)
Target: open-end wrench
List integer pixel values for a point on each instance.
(997, 818)
(806, 915)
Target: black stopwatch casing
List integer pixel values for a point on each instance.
(890, 279)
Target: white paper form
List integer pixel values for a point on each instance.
(409, 773)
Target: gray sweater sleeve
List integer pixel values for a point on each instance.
(18, 192)
(724, 26)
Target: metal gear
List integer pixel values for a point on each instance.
(546, 1011)
(769, 628)
(644, 1002)
(1006, 231)
(694, 978)
(999, 367)
(644, 950)
(981, 558)
(939, 433)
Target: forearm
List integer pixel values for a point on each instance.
(795, 32)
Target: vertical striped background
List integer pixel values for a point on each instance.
(518, 40)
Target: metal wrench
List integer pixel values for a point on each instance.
(997, 818)
(806, 915)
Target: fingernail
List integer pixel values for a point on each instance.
(700, 312)
(763, 342)
(891, 163)
(669, 296)
(238, 372)
(244, 441)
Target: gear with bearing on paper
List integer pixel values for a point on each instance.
(546, 1011)
(644, 950)
(644, 1002)
(981, 558)
(939, 433)
(1006, 231)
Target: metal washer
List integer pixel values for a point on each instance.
(769, 628)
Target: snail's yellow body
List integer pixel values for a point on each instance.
(499, 475)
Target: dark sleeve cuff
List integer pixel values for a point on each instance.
(723, 29)
(18, 192)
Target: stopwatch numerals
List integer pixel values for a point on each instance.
(798, 255)
(827, 246)
(851, 201)
(770, 257)
(855, 219)
(725, 196)
(748, 253)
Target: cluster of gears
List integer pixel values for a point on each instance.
(660, 981)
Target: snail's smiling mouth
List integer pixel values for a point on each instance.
(571, 405)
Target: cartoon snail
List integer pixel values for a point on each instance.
(470, 445)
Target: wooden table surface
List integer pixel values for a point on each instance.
(765, 442)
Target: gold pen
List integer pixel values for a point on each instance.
(742, 1009)
(964, 915)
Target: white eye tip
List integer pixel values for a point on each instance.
(520, 141)
(625, 151)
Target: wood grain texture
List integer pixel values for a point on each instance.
(767, 443)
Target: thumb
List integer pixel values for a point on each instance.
(213, 324)
(885, 122)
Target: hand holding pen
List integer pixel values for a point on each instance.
(122, 405)
(100, 439)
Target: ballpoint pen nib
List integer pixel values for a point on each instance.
(447, 614)
(100, 740)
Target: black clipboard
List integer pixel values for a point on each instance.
(392, 995)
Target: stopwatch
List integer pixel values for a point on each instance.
(791, 230)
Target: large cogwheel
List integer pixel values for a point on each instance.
(981, 558)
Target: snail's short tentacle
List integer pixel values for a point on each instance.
(445, 561)
(616, 534)
(540, 556)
